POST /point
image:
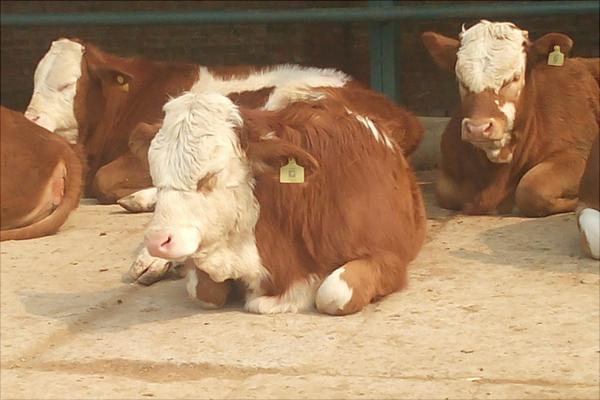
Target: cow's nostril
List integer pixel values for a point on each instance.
(166, 242)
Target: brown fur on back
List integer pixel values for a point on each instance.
(29, 154)
(362, 202)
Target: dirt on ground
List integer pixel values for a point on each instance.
(497, 308)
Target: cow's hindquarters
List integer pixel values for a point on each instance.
(62, 191)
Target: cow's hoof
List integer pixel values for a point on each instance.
(140, 201)
(147, 270)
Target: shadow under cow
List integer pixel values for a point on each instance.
(549, 243)
(118, 308)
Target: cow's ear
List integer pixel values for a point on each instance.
(140, 138)
(111, 70)
(442, 49)
(540, 49)
(268, 156)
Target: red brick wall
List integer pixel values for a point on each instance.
(344, 46)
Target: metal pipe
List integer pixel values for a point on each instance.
(310, 15)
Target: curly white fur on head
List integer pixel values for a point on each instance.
(197, 137)
(490, 54)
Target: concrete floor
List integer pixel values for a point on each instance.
(498, 308)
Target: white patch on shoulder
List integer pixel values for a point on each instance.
(370, 125)
(589, 224)
(52, 104)
(334, 293)
(509, 110)
(290, 82)
(300, 296)
(490, 54)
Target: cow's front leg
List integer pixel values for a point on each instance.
(489, 199)
(550, 187)
(147, 269)
(208, 293)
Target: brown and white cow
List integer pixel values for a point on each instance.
(98, 99)
(588, 209)
(341, 239)
(40, 179)
(525, 127)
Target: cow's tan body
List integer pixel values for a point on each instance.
(40, 181)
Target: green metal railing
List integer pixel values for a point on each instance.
(382, 14)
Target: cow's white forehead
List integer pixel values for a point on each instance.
(197, 137)
(490, 54)
(60, 65)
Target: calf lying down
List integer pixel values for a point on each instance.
(340, 239)
(525, 124)
(40, 179)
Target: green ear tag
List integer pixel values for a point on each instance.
(556, 58)
(291, 172)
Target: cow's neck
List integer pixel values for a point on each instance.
(525, 124)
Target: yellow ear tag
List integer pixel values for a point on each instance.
(556, 58)
(291, 173)
(122, 84)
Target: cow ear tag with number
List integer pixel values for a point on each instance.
(556, 58)
(122, 83)
(291, 172)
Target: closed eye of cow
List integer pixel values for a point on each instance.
(207, 183)
(64, 87)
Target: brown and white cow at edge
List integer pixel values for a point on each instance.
(98, 99)
(588, 209)
(40, 178)
(524, 129)
(341, 239)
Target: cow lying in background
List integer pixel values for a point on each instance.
(525, 128)
(98, 99)
(40, 179)
(341, 239)
(588, 214)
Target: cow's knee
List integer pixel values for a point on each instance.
(349, 288)
(448, 193)
(539, 199)
(102, 186)
(334, 295)
(531, 200)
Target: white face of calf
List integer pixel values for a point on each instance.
(490, 69)
(52, 105)
(203, 179)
